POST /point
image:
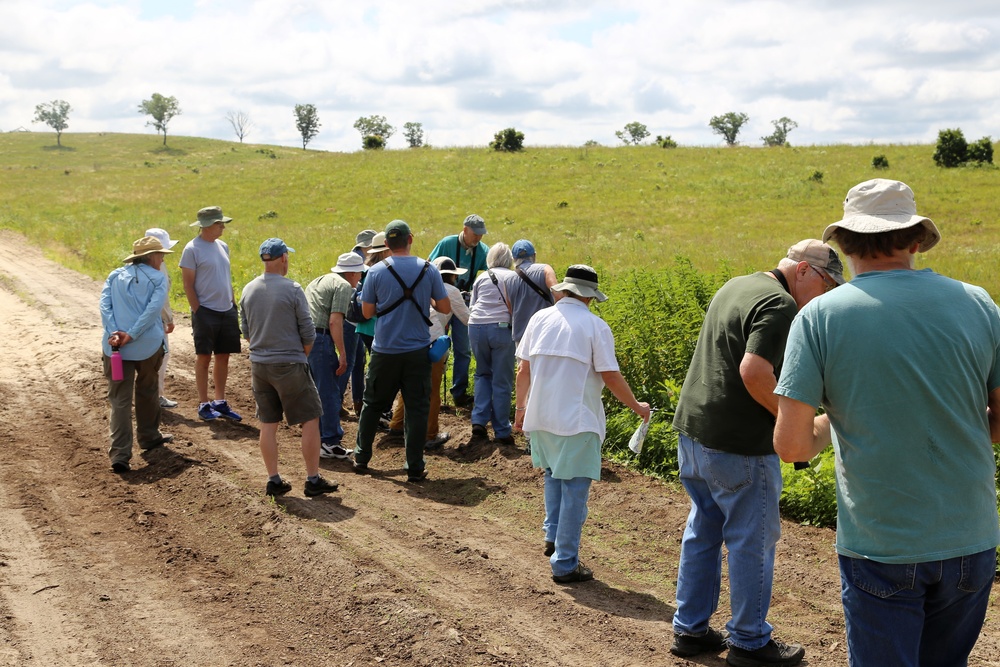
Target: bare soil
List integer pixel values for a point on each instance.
(184, 561)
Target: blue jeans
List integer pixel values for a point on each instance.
(917, 614)
(565, 512)
(734, 499)
(494, 380)
(463, 357)
(350, 348)
(323, 364)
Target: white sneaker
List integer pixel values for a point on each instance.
(167, 403)
(333, 452)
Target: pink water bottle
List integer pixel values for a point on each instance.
(117, 370)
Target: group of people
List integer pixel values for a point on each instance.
(904, 365)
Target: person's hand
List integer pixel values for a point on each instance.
(168, 327)
(342, 368)
(119, 339)
(518, 419)
(643, 411)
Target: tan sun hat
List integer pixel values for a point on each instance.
(378, 243)
(580, 280)
(881, 205)
(147, 245)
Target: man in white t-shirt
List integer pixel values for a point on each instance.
(567, 358)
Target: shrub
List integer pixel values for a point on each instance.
(810, 496)
(817, 176)
(665, 142)
(952, 149)
(373, 142)
(880, 162)
(509, 140)
(981, 151)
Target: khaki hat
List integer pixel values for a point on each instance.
(208, 216)
(580, 280)
(816, 253)
(350, 262)
(881, 205)
(364, 239)
(378, 244)
(147, 245)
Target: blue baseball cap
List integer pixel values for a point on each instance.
(273, 249)
(523, 249)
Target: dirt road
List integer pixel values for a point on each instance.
(184, 561)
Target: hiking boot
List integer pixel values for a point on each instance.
(327, 451)
(167, 403)
(581, 573)
(437, 441)
(550, 548)
(319, 487)
(120, 466)
(207, 412)
(479, 431)
(164, 439)
(771, 653)
(507, 440)
(222, 407)
(360, 468)
(279, 488)
(688, 645)
(417, 476)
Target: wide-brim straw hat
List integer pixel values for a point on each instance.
(147, 245)
(881, 205)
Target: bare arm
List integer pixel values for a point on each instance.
(522, 386)
(799, 434)
(615, 381)
(443, 305)
(993, 411)
(192, 297)
(758, 377)
(336, 326)
(550, 280)
(368, 309)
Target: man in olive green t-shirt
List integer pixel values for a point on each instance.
(725, 418)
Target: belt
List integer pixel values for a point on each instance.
(325, 332)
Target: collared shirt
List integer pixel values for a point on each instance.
(329, 293)
(131, 301)
(472, 258)
(567, 347)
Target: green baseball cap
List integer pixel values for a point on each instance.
(397, 229)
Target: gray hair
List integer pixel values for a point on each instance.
(499, 256)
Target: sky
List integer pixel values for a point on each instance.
(563, 72)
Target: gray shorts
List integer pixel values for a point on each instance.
(285, 389)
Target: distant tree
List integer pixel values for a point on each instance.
(373, 142)
(728, 125)
(665, 142)
(632, 134)
(880, 162)
(240, 120)
(374, 126)
(509, 140)
(952, 148)
(590, 143)
(414, 133)
(161, 109)
(782, 127)
(55, 114)
(307, 122)
(981, 151)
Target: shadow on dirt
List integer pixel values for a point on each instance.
(618, 602)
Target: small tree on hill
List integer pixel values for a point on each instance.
(509, 140)
(728, 125)
(952, 149)
(307, 122)
(55, 114)
(981, 151)
(161, 110)
(240, 120)
(632, 134)
(374, 126)
(782, 127)
(372, 142)
(414, 133)
(665, 142)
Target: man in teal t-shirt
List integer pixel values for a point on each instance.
(906, 364)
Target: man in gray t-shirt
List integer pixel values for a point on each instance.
(275, 319)
(208, 284)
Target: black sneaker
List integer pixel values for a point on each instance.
(120, 467)
(320, 487)
(771, 653)
(581, 573)
(417, 476)
(279, 488)
(360, 468)
(688, 645)
(550, 548)
(479, 431)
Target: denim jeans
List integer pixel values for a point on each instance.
(350, 350)
(463, 357)
(565, 512)
(494, 380)
(734, 499)
(323, 364)
(917, 614)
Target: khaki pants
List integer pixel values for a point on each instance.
(142, 379)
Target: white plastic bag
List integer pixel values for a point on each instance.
(635, 442)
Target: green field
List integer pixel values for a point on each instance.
(617, 208)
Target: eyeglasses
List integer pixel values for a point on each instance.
(828, 283)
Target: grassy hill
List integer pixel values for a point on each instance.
(617, 208)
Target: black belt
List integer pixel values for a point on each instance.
(323, 331)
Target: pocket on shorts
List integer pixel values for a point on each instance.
(882, 579)
(729, 471)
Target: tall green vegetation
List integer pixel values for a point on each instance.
(954, 151)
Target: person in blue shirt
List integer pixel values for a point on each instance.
(468, 252)
(400, 290)
(130, 305)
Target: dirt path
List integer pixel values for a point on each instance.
(185, 562)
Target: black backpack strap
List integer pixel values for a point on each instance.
(496, 284)
(407, 292)
(545, 294)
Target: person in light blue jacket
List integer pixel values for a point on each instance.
(130, 304)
